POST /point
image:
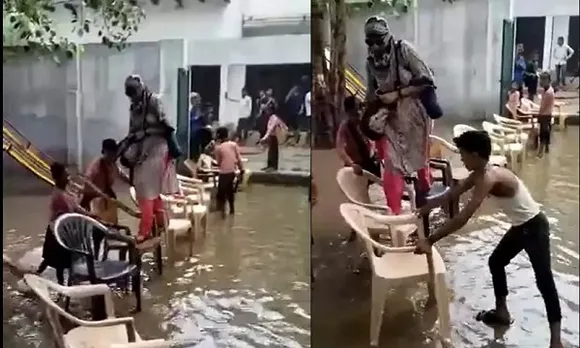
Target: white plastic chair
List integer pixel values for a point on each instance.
(146, 344)
(88, 334)
(355, 188)
(501, 143)
(513, 133)
(397, 266)
(459, 129)
(174, 226)
(497, 160)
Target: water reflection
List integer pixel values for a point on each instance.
(246, 286)
(342, 298)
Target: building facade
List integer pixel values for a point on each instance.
(83, 102)
(462, 42)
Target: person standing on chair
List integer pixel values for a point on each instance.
(228, 158)
(150, 155)
(562, 52)
(396, 112)
(530, 230)
(274, 124)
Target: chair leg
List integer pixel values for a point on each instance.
(137, 288)
(379, 295)
(159, 259)
(443, 307)
(69, 282)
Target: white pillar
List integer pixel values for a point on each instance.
(548, 47)
(222, 112)
(235, 81)
(560, 28)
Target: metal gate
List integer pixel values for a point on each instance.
(507, 62)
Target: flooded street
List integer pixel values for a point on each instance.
(341, 298)
(247, 286)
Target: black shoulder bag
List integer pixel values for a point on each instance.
(427, 96)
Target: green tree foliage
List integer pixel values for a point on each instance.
(29, 25)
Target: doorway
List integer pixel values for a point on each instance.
(530, 31)
(280, 78)
(205, 80)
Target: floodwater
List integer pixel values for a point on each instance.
(341, 297)
(246, 286)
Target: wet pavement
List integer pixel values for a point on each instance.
(246, 286)
(292, 159)
(341, 297)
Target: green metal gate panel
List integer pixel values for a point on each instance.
(183, 110)
(507, 61)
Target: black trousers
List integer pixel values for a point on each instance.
(561, 74)
(533, 237)
(245, 125)
(226, 191)
(273, 152)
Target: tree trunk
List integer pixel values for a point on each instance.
(321, 111)
(340, 60)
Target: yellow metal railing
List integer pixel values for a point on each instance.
(355, 83)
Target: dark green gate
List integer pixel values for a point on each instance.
(507, 62)
(183, 110)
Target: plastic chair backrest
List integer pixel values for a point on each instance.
(459, 129)
(507, 121)
(354, 215)
(74, 232)
(354, 187)
(438, 145)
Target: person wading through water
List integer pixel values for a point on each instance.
(530, 230)
(149, 151)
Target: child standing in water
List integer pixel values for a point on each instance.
(227, 155)
(61, 202)
(545, 114)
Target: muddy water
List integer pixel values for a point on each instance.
(341, 297)
(247, 286)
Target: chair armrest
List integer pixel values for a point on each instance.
(159, 343)
(127, 321)
(120, 228)
(119, 237)
(76, 291)
(175, 200)
(188, 180)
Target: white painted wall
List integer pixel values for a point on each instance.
(275, 8)
(212, 34)
(541, 8)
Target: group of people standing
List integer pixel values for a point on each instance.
(294, 110)
(389, 137)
